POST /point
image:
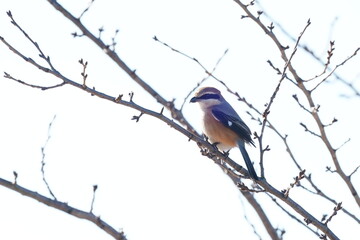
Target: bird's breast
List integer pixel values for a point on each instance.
(218, 133)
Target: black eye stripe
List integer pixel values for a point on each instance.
(210, 96)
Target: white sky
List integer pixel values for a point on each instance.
(153, 183)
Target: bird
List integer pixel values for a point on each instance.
(222, 125)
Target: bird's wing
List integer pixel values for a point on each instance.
(235, 124)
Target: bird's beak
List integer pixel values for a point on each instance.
(194, 99)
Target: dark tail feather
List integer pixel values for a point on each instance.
(248, 163)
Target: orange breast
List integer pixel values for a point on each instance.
(217, 132)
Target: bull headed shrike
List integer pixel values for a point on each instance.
(222, 125)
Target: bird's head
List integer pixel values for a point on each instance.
(207, 97)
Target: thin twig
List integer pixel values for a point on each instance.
(273, 96)
(43, 159)
(86, 9)
(83, 73)
(209, 73)
(296, 182)
(41, 55)
(292, 216)
(309, 131)
(182, 53)
(353, 172)
(337, 208)
(204, 79)
(95, 187)
(15, 177)
(7, 75)
(301, 105)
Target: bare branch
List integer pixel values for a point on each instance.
(204, 146)
(313, 54)
(41, 53)
(292, 216)
(326, 65)
(259, 210)
(336, 67)
(307, 93)
(175, 113)
(308, 177)
(214, 153)
(64, 207)
(248, 194)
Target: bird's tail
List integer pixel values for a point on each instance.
(248, 162)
